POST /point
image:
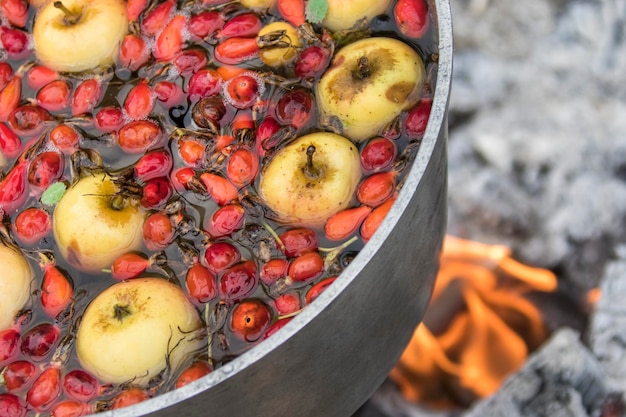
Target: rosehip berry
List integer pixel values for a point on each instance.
(138, 136)
(168, 93)
(312, 62)
(29, 120)
(40, 75)
(242, 167)
(346, 222)
(32, 225)
(40, 340)
(86, 96)
(9, 340)
(287, 303)
(129, 265)
(201, 283)
(375, 218)
(204, 83)
(195, 371)
(55, 96)
(244, 90)
(376, 189)
(139, 101)
(306, 267)
(378, 154)
(45, 389)
(65, 138)
(10, 143)
(129, 396)
(109, 119)
(156, 19)
(219, 188)
(16, 11)
(170, 41)
(46, 168)
(18, 375)
(276, 327)
(239, 281)
(318, 288)
(411, 17)
(10, 97)
(80, 385)
(158, 231)
(237, 50)
(296, 242)
(190, 61)
(6, 72)
(225, 220)
(250, 319)
(417, 119)
(245, 25)
(133, 52)
(273, 269)
(69, 408)
(295, 108)
(204, 24)
(192, 151)
(156, 192)
(15, 42)
(154, 164)
(221, 255)
(12, 406)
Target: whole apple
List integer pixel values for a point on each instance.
(311, 179)
(344, 14)
(15, 278)
(134, 329)
(92, 225)
(79, 35)
(369, 83)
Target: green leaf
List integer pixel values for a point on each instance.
(53, 193)
(316, 10)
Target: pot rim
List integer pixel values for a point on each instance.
(436, 122)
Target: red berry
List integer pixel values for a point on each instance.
(375, 218)
(109, 119)
(45, 389)
(221, 255)
(86, 96)
(32, 225)
(306, 267)
(273, 269)
(134, 8)
(129, 265)
(45, 169)
(265, 132)
(204, 83)
(244, 90)
(156, 19)
(12, 406)
(129, 396)
(411, 17)
(234, 51)
(312, 61)
(376, 189)
(13, 188)
(296, 242)
(346, 222)
(156, 193)
(10, 143)
(201, 283)
(16, 11)
(181, 178)
(204, 24)
(292, 11)
(40, 75)
(287, 303)
(170, 41)
(158, 231)
(138, 136)
(80, 385)
(317, 289)
(154, 164)
(378, 154)
(70, 408)
(40, 340)
(57, 291)
(6, 72)
(133, 52)
(65, 138)
(55, 96)
(276, 327)
(245, 25)
(18, 375)
(225, 220)
(28, 120)
(168, 93)
(190, 61)
(139, 101)
(242, 167)
(417, 119)
(10, 97)
(9, 340)
(250, 319)
(195, 371)
(239, 281)
(15, 42)
(219, 188)
(192, 151)
(295, 108)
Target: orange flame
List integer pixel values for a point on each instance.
(478, 328)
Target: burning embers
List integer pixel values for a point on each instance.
(478, 329)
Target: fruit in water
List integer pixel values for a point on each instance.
(135, 329)
(343, 14)
(369, 83)
(279, 43)
(311, 179)
(93, 225)
(79, 35)
(15, 278)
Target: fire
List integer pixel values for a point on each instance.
(478, 329)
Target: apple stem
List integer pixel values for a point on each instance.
(310, 170)
(71, 18)
(363, 68)
(120, 312)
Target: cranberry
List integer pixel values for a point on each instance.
(378, 154)
(12, 406)
(18, 375)
(221, 255)
(40, 340)
(80, 385)
(156, 193)
(250, 319)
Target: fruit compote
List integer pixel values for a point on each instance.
(201, 98)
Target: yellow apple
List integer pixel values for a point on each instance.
(369, 83)
(279, 55)
(15, 278)
(260, 5)
(343, 14)
(93, 226)
(79, 35)
(311, 179)
(133, 329)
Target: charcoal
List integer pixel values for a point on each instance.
(562, 378)
(607, 330)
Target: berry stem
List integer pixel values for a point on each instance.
(310, 170)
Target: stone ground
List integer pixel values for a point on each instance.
(537, 154)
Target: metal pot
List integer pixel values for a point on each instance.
(331, 357)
